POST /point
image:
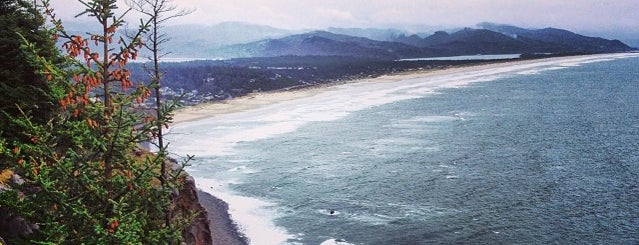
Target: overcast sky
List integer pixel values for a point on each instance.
(575, 15)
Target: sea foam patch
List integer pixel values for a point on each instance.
(335, 242)
(253, 216)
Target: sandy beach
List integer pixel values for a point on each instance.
(257, 100)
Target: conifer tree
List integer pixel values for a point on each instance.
(84, 179)
(18, 76)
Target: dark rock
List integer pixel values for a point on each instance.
(13, 226)
(186, 204)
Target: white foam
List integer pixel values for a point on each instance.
(335, 242)
(329, 212)
(540, 70)
(432, 119)
(374, 219)
(244, 170)
(253, 216)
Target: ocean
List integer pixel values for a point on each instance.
(539, 153)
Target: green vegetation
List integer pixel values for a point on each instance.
(71, 131)
(20, 85)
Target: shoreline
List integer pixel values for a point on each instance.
(220, 219)
(260, 99)
(224, 230)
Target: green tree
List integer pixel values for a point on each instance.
(85, 178)
(19, 76)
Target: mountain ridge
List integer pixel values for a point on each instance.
(491, 39)
(240, 40)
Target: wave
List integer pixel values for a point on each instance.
(253, 216)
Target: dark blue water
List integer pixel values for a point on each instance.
(549, 158)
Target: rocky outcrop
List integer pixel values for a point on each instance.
(186, 204)
(212, 223)
(13, 226)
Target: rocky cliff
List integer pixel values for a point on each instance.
(187, 203)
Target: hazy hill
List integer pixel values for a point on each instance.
(370, 33)
(557, 40)
(237, 39)
(190, 40)
(322, 43)
(501, 39)
(225, 33)
(467, 41)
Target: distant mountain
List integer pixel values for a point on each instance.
(626, 35)
(502, 39)
(238, 39)
(557, 40)
(190, 40)
(322, 43)
(467, 42)
(225, 33)
(493, 39)
(370, 33)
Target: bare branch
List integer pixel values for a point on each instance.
(158, 11)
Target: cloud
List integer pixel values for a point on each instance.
(335, 14)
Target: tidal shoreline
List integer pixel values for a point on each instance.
(223, 230)
(219, 209)
(260, 99)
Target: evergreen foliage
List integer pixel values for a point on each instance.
(84, 179)
(18, 76)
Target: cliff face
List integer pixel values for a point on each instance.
(187, 203)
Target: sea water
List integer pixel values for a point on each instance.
(536, 153)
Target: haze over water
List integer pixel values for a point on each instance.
(529, 154)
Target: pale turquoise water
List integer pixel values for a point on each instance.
(540, 155)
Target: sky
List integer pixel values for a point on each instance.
(574, 15)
